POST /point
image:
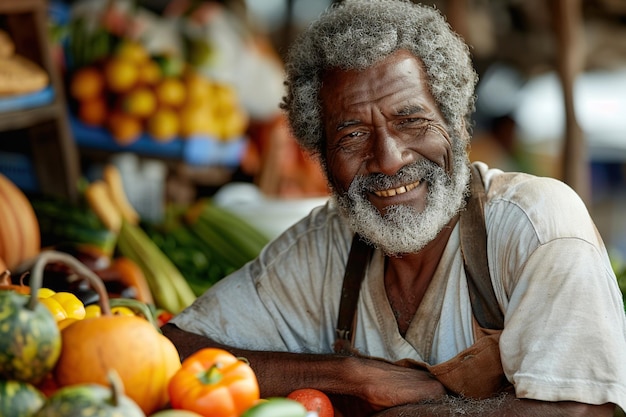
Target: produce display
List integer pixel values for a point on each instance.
(65, 359)
(81, 312)
(115, 83)
(206, 242)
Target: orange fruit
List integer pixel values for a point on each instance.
(86, 83)
(140, 102)
(163, 125)
(199, 89)
(233, 124)
(124, 128)
(93, 111)
(149, 73)
(198, 120)
(170, 92)
(133, 51)
(121, 74)
(225, 96)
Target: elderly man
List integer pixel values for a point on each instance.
(427, 285)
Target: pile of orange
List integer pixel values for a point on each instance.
(130, 94)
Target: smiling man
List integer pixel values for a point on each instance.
(380, 298)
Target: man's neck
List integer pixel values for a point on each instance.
(407, 277)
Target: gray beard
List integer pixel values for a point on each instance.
(403, 229)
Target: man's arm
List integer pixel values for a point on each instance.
(379, 383)
(505, 405)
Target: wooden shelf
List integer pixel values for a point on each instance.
(22, 119)
(46, 127)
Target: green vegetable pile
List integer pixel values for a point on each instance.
(205, 242)
(619, 267)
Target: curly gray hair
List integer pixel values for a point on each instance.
(355, 34)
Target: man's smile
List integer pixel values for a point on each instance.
(395, 191)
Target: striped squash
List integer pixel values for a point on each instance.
(31, 342)
(19, 399)
(20, 237)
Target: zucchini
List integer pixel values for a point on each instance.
(61, 222)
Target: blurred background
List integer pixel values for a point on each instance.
(551, 100)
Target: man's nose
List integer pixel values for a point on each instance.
(388, 154)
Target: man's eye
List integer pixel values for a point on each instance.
(353, 141)
(355, 134)
(412, 121)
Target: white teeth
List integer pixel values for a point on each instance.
(395, 191)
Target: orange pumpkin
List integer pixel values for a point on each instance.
(19, 235)
(144, 359)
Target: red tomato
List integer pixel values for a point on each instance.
(314, 400)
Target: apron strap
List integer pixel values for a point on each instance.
(359, 257)
(474, 249)
(473, 236)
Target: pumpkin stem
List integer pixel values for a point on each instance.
(117, 387)
(212, 376)
(81, 269)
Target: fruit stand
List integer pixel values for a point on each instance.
(91, 263)
(81, 266)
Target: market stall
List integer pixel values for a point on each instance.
(149, 159)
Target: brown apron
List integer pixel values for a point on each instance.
(477, 371)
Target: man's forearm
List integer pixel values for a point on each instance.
(378, 383)
(504, 405)
(278, 373)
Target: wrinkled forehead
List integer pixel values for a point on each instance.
(400, 64)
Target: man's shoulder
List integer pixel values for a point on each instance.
(546, 205)
(525, 189)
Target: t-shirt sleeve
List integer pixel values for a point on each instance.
(565, 329)
(564, 337)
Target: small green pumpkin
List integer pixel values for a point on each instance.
(91, 400)
(19, 399)
(31, 342)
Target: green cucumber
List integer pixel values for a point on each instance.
(276, 407)
(61, 222)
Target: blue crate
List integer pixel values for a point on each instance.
(19, 169)
(27, 101)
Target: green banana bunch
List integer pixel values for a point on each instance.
(170, 289)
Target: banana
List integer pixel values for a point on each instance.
(169, 288)
(113, 180)
(99, 200)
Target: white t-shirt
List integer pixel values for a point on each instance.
(565, 329)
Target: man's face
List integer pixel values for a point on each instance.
(389, 155)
